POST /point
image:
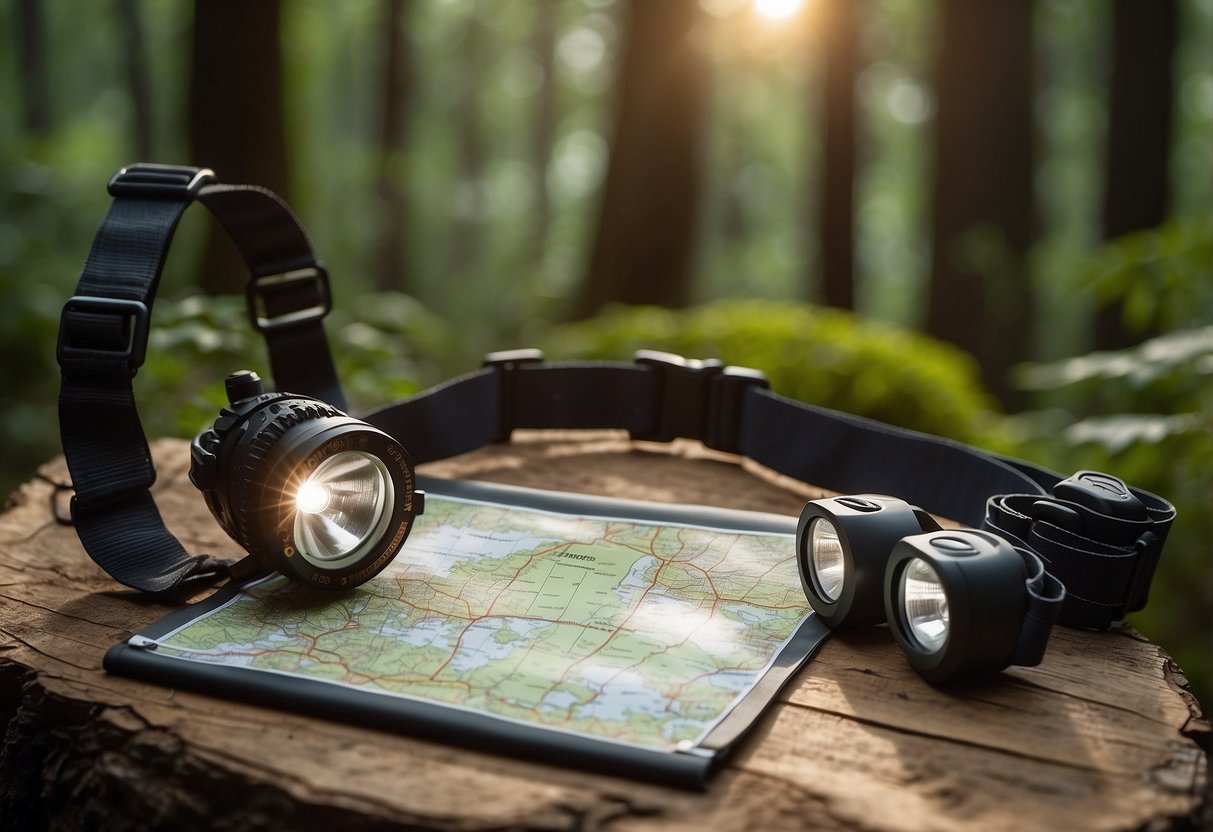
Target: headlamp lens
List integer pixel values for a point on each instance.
(829, 565)
(342, 508)
(925, 604)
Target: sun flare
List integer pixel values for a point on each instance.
(778, 9)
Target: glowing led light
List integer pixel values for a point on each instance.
(344, 508)
(312, 498)
(778, 9)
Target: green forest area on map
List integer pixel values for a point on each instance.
(634, 632)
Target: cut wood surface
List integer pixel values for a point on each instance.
(1103, 735)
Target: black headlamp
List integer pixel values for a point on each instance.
(842, 544)
(968, 603)
(305, 489)
(958, 602)
(329, 499)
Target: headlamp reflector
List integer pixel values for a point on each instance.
(343, 507)
(829, 564)
(925, 605)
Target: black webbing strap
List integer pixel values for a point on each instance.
(483, 407)
(836, 451)
(851, 455)
(1103, 550)
(103, 335)
(288, 289)
(1046, 598)
(1104, 571)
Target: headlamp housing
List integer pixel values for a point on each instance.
(842, 544)
(975, 582)
(308, 491)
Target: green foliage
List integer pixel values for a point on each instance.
(1161, 275)
(1146, 414)
(822, 356)
(197, 341)
(43, 205)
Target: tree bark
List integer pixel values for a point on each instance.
(543, 128)
(137, 78)
(645, 244)
(237, 125)
(389, 259)
(466, 240)
(1139, 136)
(983, 208)
(839, 25)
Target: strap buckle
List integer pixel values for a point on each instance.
(506, 363)
(70, 353)
(274, 299)
(697, 399)
(160, 181)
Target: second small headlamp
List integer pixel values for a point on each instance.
(958, 602)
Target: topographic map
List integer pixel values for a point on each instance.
(632, 632)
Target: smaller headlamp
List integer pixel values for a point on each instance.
(324, 498)
(842, 544)
(959, 602)
(963, 603)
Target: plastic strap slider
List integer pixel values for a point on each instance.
(73, 351)
(160, 181)
(697, 399)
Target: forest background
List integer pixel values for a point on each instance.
(990, 221)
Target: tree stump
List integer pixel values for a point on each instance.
(1103, 735)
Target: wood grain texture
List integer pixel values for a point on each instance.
(1102, 736)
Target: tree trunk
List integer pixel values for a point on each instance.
(983, 209)
(31, 52)
(1139, 135)
(466, 239)
(389, 265)
(137, 78)
(644, 249)
(236, 113)
(543, 128)
(839, 25)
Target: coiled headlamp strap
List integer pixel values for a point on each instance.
(1099, 537)
(103, 334)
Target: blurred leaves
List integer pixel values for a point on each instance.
(384, 345)
(1171, 372)
(1162, 274)
(1146, 415)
